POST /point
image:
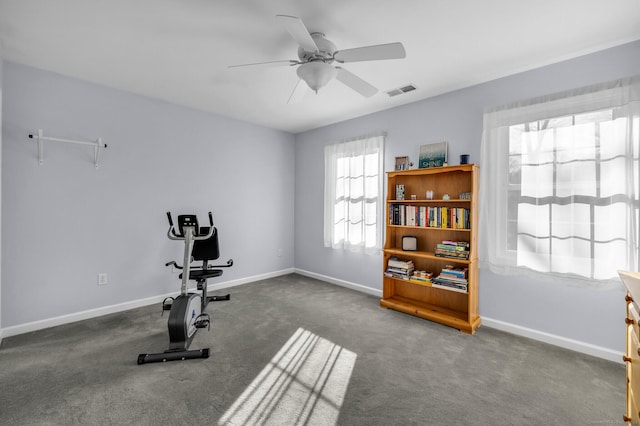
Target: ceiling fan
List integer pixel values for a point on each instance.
(316, 57)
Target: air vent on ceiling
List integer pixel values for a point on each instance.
(401, 90)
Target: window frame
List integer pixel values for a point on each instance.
(497, 211)
(355, 148)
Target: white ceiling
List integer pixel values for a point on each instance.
(180, 50)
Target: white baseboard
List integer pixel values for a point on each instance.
(563, 342)
(79, 316)
(246, 280)
(341, 283)
(105, 310)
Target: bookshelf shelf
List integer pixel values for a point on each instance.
(455, 308)
(452, 318)
(431, 228)
(425, 255)
(425, 284)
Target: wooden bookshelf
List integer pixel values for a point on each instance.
(453, 308)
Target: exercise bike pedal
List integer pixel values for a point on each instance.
(202, 321)
(166, 304)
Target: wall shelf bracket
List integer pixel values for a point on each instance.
(40, 138)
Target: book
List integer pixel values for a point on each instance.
(397, 276)
(400, 271)
(450, 247)
(423, 216)
(452, 280)
(450, 283)
(453, 249)
(420, 280)
(395, 262)
(445, 287)
(452, 254)
(400, 274)
(456, 243)
(460, 273)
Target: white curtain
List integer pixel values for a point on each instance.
(353, 195)
(559, 184)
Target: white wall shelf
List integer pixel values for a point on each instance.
(40, 138)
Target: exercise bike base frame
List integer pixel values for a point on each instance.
(173, 356)
(218, 298)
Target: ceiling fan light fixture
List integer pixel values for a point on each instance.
(316, 74)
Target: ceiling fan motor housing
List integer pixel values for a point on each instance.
(325, 52)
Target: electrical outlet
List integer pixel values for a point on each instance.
(102, 278)
(279, 252)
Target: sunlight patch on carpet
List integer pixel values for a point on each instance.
(303, 384)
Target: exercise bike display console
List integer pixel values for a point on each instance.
(187, 310)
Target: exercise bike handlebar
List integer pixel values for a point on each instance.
(171, 228)
(171, 233)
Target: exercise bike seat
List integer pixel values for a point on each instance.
(205, 251)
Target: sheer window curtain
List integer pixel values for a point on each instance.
(353, 195)
(560, 184)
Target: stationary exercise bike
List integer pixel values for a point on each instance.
(187, 310)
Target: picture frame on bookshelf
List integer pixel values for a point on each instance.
(433, 155)
(402, 163)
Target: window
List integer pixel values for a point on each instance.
(353, 195)
(560, 184)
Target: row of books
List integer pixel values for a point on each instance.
(432, 217)
(401, 269)
(451, 278)
(453, 249)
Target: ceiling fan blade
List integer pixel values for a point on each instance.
(299, 32)
(298, 92)
(355, 82)
(267, 64)
(371, 53)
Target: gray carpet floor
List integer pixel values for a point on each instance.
(294, 350)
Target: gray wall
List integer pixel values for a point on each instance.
(590, 316)
(64, 222)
